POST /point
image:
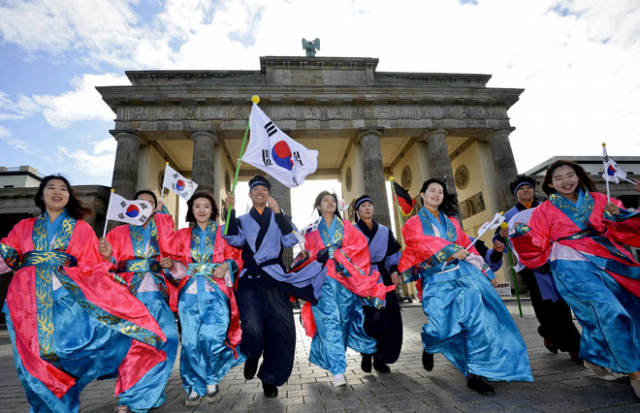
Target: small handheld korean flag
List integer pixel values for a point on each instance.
(131, 212)
(611, 171)
(275, 153)
(178, 184)
(495, 222)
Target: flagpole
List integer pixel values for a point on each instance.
(513, 272)
(488, 226)
(604, 171)
(395, 201)
(106, 218)
(162, 188)
(255, 99)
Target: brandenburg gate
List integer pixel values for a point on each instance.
(366, 124)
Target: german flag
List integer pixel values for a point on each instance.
(403, 199)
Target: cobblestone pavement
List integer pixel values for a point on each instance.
(560, 385)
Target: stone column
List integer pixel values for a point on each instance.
(125, 169)
(282, 194)
(203, 158)
(504, 165)
(373, 169)
(439, 159)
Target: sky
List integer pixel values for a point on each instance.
(578, 61)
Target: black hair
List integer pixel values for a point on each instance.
(148, 192)
(522, 178)
(318, 201)
(259, 180)
(214, 207)
(75, 208)
(364, 198)
(584, 182)
(449, 203)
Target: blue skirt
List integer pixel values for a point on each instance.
(148, 392)
(469, 324)
(86, 350)
(339, 321)
(205, 358)
(608, 313)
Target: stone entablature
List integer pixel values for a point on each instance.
(397, 120)
(309, 96)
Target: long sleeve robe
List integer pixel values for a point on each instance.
(467, 320)
(593, 272)
(66, 268)
(207, 305)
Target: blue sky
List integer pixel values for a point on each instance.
(579, 62)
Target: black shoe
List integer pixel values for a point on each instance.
(547, 343)
(366, 363)
(270, 391)
(250, 368)
(480, 385)
(427, 361)
(380, 366)
(549, 346)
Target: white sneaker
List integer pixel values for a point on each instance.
(635, 385)
(601, 372)
(339, 380)
(212, 392)
(193, 399)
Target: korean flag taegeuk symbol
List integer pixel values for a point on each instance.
(178, 184)
(131, 212)
(275, 153)
(282, 155)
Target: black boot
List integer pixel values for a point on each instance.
(380, 366)
(250, 368)
(480, 385)
(270, 391)
(366, 363)
(427, 361)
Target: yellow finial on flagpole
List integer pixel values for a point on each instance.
(167, 163)
(604, 144)
(113, 190)
(501, 212)
(392, 179)
(255, 99)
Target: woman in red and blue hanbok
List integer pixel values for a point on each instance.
(467, 321)
(349, 282)
(135, 251)
(583, 235)
(70, 320)
(207, 304)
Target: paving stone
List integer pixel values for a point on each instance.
(560, 385)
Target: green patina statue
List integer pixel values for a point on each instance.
(311, 47)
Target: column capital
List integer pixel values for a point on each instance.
(128, 133)
(208, 133)
(429, 133)
(499, 132)
(366, 132)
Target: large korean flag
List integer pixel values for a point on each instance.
(275, 153)
(131, 212)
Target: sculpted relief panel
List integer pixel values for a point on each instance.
(316, 112)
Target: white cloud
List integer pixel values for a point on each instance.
(103, 31)
(24, 146)
(80, 104)
(98, 163)
(577, 59)
(22, 108)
